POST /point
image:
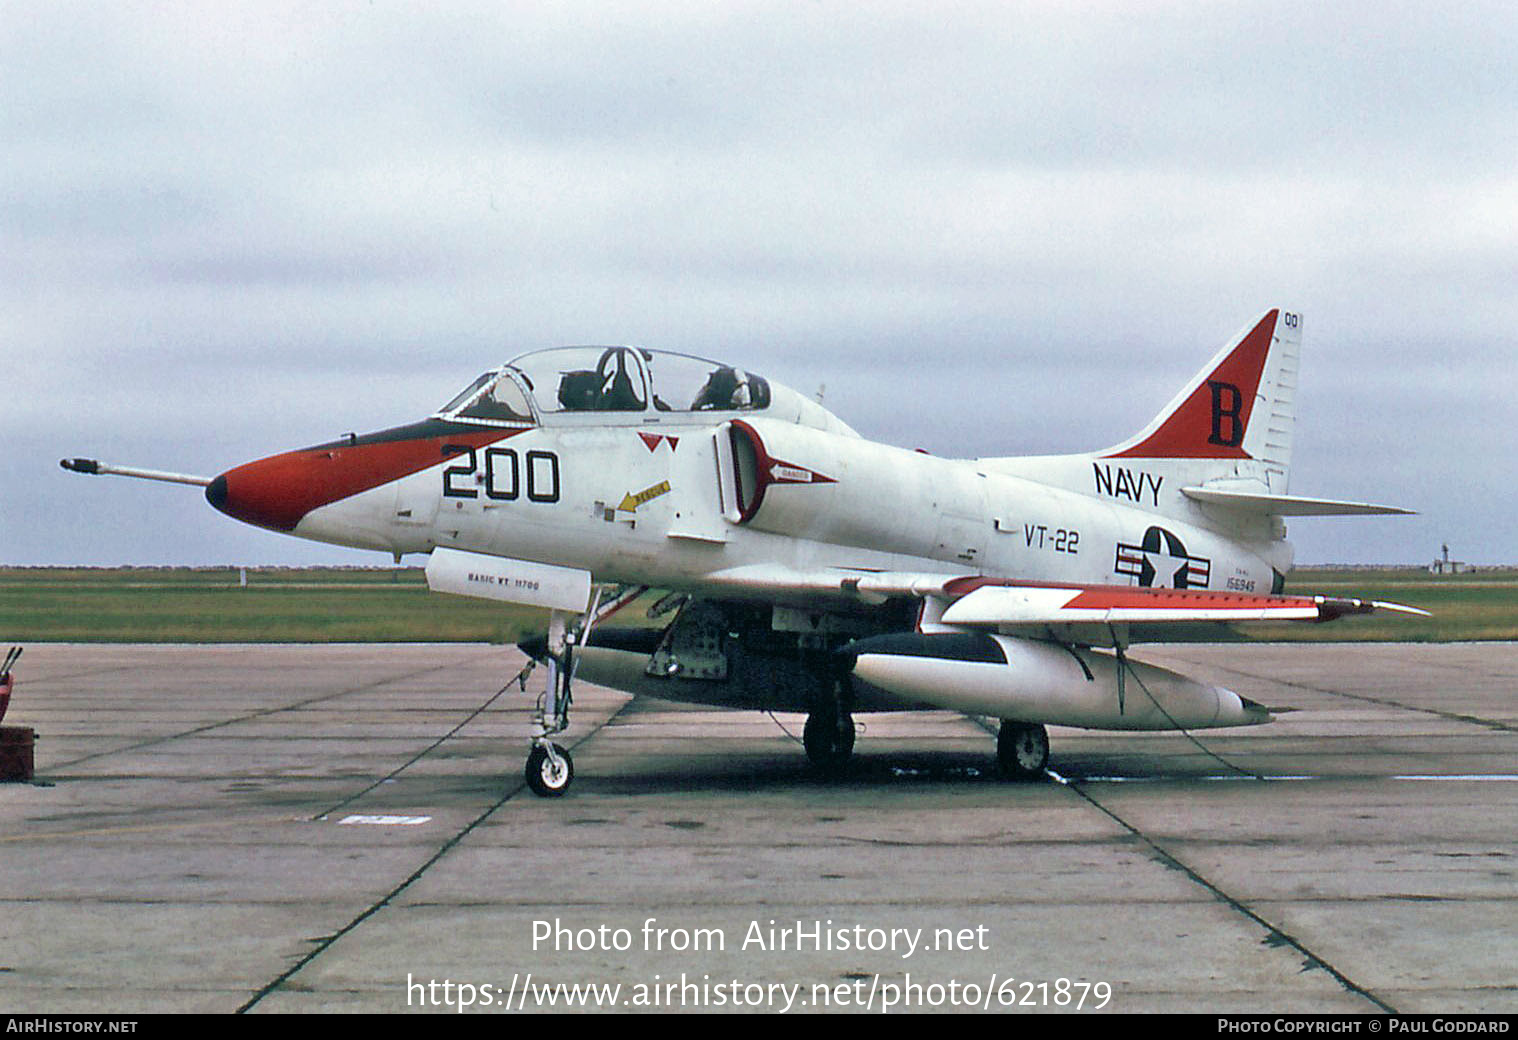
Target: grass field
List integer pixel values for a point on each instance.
(1480, 605)
(278, 605)
(341, 605)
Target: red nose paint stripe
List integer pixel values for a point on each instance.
(277, 491)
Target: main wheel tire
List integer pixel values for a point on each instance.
(1022, 750)
(544, 777)
(828, 739)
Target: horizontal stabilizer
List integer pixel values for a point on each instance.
(1288, 505)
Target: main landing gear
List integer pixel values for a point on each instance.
(829, 739)
(1022, 750)
(829, 733)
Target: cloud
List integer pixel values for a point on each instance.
(229, 231)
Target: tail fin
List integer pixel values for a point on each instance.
(1240, 406)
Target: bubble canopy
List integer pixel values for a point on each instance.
(607, 380)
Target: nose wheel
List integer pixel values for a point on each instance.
(549, 770)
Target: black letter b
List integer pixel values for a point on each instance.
(1227, 403)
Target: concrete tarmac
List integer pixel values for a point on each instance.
(345, 828)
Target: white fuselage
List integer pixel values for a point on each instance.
(652, 503)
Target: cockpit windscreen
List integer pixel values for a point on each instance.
(608, 379)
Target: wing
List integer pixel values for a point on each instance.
(981, 602)
(1067, 611)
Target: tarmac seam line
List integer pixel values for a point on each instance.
(1384, 702)
(198, 730)
(331, 940)
(1274, 935)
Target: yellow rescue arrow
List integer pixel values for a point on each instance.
(631, 502)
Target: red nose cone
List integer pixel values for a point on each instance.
(274, 492)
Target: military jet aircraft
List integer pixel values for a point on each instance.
(805, 568)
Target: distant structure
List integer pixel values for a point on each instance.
(1445, 565)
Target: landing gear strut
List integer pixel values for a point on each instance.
(829, 733)
(549, 768)
(1022, 750)
(828, 739)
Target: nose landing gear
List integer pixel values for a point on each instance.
(550, 770)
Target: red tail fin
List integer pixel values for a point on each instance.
(1210, 417)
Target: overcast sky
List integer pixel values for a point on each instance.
(228, 230)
